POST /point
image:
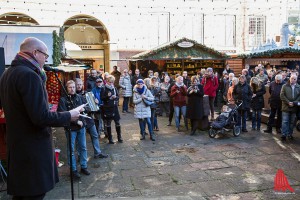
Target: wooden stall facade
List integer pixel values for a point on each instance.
(178, 56)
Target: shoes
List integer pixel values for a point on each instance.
(169, 124)
(85, 171)
(128, 111)
(291, 137)
(253, 129)
(258, 129)
(283, 138)
(178, 129)
(143, 137)
(278, 131)
(101, 155)
(268, 130)
(152, 138)
(192, 133)
(75, 175)
(244, 130)
(123, 111)
(156, 129)
(120, 140)
(110, 142)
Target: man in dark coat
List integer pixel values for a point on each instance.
(91, 80)
(117, 76)
(242, 92)
(275, 104)
(32, 169)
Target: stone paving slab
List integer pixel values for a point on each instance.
(180, 166)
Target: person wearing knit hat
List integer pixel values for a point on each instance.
(210, 85)
(140, 81)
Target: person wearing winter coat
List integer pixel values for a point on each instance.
(141, 111)
(91, 80)
(164, 98)
(290, 93)
(195, 111)
(77, 130)
(186, 79)
(242, 92)
(97, 116)
(125, 84)
(178, 93)
(154, 88)
(117, 76)
(275, 104)
(210, 85)
(110, 98)
(90, 124)
(257, 101)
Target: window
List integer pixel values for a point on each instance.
(257, 31)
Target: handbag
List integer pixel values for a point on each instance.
(147, 102)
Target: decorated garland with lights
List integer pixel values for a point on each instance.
(173, 51)
(270, 53)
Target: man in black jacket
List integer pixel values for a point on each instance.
(275, 104)
(32, 169)
(77, 130)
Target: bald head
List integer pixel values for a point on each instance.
(31, 43)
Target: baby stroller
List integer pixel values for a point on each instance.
(226, 121)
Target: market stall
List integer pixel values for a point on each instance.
(177, 56)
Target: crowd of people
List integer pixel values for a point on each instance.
(24, 100)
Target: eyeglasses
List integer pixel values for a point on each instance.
(140, 83)
(46, 55)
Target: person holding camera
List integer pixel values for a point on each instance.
(125, 84)
(210, 85)
(178, 93)
(141, 110)
(110, 98)
(195, 111)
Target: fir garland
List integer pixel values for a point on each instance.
(270, 53)
(169, 51)
(57, 48)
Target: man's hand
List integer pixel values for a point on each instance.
(80, 123)
(76, 111)
(291, 104)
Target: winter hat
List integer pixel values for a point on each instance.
(139, 81)
(209, 69)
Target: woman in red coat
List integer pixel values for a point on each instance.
(178, 93)
(210, 85)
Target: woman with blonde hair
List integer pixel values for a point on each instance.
(230, 98)
(257, 101)
(195, 111)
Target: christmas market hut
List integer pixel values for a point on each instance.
(282, 58)
(177, 56)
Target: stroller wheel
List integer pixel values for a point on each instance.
(298, 126)
(212, 133)
(236, 131)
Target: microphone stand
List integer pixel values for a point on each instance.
(69, 134)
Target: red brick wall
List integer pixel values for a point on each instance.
(126, 54)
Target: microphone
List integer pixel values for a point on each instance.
(52, 69)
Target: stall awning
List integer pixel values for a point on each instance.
(72, 68)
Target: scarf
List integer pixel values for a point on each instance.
(179, 85)
(140, 90)
(26, 56)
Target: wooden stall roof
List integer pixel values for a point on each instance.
(180, 49)
(279, 53)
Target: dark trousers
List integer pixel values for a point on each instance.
(37, 197)
(272, 118)
(171, 109)
(164, 107)
(211, 105)
(242, 117)
(195, 124)
(154, 119)
(125, 103)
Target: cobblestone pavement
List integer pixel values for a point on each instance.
(179, 166)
